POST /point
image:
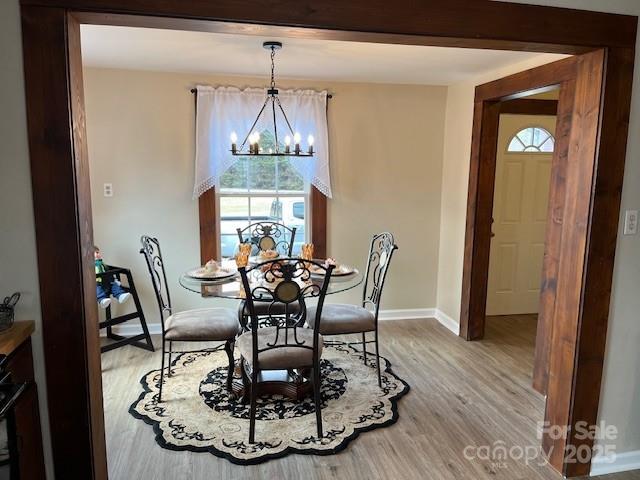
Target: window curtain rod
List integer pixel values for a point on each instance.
(195, 90)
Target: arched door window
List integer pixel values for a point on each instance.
(532, 139)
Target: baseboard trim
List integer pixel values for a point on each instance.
(619, 462)
(384, 315)
(447, 322)
(407, 314)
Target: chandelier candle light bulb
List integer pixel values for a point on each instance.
(310, 142)
(234, 140)
(296, 140)
(254, 138)
(287, 144)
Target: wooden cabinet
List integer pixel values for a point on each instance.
(16, 343)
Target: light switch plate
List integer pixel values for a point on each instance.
(631, 222)
(108, 190)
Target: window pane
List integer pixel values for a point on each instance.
(262, 173)
(515, 145)
(526, 136)
(228, 245)
(289, 180)
(539, 136)
(264, 209)
(234, 213)
(548, 145)
(235, 177)
(293, 213)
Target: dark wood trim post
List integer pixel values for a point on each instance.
(318, 222)
(208, 225)
(64, 239)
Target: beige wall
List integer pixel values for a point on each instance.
(18, 262)
(386, 154)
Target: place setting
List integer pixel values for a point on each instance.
(221, 279)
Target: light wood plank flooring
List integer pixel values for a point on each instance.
(462, 393)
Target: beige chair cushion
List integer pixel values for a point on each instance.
(283, 357)
(262, 308)
(340, 318)
(206, 324)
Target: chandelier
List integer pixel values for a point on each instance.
(271, 105)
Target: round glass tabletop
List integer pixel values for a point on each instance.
(231, 287)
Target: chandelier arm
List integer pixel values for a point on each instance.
(275, 125)
(244, 142)
(285, 116)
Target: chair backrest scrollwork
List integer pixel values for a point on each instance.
(378, 261)
(153, 257)
(268, 236)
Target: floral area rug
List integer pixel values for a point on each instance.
(196, 413)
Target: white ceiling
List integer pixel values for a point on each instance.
(231, 54)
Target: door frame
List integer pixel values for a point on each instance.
(528, 107)
(59, 167)
(584, 202)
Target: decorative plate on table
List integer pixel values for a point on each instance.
(221, 273)
(339, 271)
(255, 259)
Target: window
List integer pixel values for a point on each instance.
(261, 189)
(532, 139)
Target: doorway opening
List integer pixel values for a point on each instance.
(524, 158)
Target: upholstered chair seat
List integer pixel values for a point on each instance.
(206, 324)
(339, 319)
(198, 325)
(268, 308)
(283, 357)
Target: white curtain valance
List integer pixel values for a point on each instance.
(222, 110)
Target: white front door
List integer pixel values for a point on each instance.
(520, 215)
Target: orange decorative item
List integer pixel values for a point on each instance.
(242, 259)
(307, 251)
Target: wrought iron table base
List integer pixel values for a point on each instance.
(292, 384)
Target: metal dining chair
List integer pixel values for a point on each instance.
(265, 236)
(268, 236)
(285, 344)
(199, 325)
(344, 319)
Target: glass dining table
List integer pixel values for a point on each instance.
(292, 384)
(231, 287)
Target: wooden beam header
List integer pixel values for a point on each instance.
(456, 23)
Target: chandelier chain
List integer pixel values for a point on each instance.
(273, 68)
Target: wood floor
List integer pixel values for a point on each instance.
(462, 393)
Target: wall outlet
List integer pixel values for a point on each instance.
(631, 222)
(108, 190)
